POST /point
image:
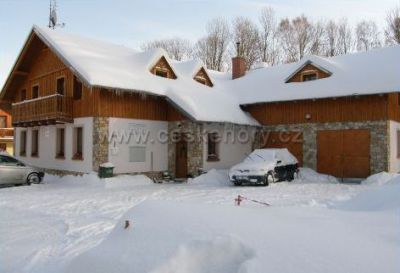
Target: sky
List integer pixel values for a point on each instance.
(132, 22)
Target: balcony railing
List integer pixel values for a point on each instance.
(6, 133)
(43, 111)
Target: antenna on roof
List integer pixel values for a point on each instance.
(53, 15)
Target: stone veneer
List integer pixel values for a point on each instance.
(379, 133)
(100, 141)
(195, 145)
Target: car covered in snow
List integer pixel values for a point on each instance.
(264, 166)
(13, 171)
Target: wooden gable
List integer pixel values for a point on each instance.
(308, 70)
(163, 69)
(203, 78)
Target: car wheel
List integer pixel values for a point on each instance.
(290, 176)
(269, 178)
(33, 178)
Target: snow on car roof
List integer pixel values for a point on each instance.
(283, 154)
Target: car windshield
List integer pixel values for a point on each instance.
(258, 156)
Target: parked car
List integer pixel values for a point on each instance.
(13, 171)
(264, 166)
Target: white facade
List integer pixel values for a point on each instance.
(394, 160)
(47, 147)
(235, 145)
(138, 145)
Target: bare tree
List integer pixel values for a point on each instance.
(177, 48)
(367, 36)
(332, 38)
(269, 42)
(246, 33)
(392, 31)
(298, 38)
(212, 49)
(345, 37)
(317, 43)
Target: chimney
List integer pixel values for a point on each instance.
(238, 64)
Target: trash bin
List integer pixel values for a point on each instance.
(106, 171)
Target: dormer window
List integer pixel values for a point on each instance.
(309, 77)
(201, 80)
(161, 72)
(163, 69)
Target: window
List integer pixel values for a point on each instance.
(22, 144)
(7, 160)
(23, 94)
(309, 77)
(398, 144)
(201, 80)
(212, 147)
(60, 143)
(35, 91)
(3, 121)
(35, 143)
(77, 89)
(137, 154)
(161, 73)
(78, 143)
(60, 86)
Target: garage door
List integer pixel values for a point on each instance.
(293, 141)
(344, 153)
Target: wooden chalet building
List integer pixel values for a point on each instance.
(6, 132)
(76, 102)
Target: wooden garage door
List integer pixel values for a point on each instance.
(293, 141)
(344, 153)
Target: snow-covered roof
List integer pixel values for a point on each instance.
(372, 72)
(118, 67)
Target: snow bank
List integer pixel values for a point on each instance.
(386, 197)
(93, 180)
(307, 175)
(213, 177)
(379, 179)
(172, 236)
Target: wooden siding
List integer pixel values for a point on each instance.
(308, 69)
(361, 108)
(163, 65)
(202, 75)
(45, 68)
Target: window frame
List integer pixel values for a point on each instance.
(22, 152)
(57, 80)
(35, 142)
(76, 154)
(38, 91)
(162, 70)
(213, 147)
(60, 145)
(308, 74)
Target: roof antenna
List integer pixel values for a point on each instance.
(53, 15)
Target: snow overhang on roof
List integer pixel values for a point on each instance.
(106, 65)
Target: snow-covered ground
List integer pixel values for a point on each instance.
(314, 224)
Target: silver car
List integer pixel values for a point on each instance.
(13, 171)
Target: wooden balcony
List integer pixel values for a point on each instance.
(6, 133)
(48, 110)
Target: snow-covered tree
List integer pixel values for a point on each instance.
(392, 31)
(269, 42)
(177, 48)
(367, 35)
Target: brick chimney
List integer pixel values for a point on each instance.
(238, 64)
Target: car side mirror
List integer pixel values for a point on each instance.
(279, 162)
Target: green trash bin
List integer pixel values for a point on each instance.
(106, 171)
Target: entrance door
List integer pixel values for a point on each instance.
(344, 153)
(181, 158)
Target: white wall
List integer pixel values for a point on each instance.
(156, 150)
(230, 152)
(47, 147)
(394, 163)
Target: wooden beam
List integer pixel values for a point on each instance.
(21, 73)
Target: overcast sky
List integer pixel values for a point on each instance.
(130, 22)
